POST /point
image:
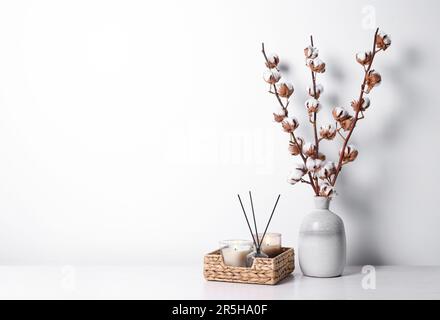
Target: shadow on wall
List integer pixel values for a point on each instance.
(337, 74)
(369, 214)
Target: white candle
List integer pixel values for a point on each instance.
(234, 252)
(271, 244)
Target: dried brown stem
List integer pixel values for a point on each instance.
(340, 134)
(315, 129)
(305, 181)
(353, 125)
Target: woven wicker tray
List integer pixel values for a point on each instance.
(263, 271)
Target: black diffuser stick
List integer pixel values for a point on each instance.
(268, 222)
(255, 223)
(249, 225)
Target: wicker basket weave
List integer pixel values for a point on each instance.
(263, 271)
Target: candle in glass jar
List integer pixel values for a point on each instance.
(234, 252)
(271, 244)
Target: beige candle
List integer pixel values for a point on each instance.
(271, 244)
(234, 252)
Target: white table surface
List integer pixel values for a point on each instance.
(186, 282)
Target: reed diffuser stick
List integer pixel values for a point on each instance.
(270, 219)
(255, 223)
(249, 225)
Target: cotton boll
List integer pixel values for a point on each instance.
(327, 170)
(290, 124)
(383, 41)
(297, 173)
(344, 119)
(310, 164)
(272, 60)
(272, 76)
(350, 154)
(373, 79)
(327, 132)
(300, 169)
(309, 149)
(296, 147)
(313, 165)
(311, 52)
(284, 90)
(364, 58)
(317, 94)
(361, 106)
(312, 105)
(316, 65)
(326, 190)
(340, 114)
(279, 114)
(330, 167)
(361, 55)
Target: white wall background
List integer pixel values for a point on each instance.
(128, 127)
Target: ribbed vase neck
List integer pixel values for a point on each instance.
(322, 203)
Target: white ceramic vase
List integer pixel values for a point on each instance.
(322, 244)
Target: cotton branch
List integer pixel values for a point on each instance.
(292, 135)
(356, 115)
(314, 162)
